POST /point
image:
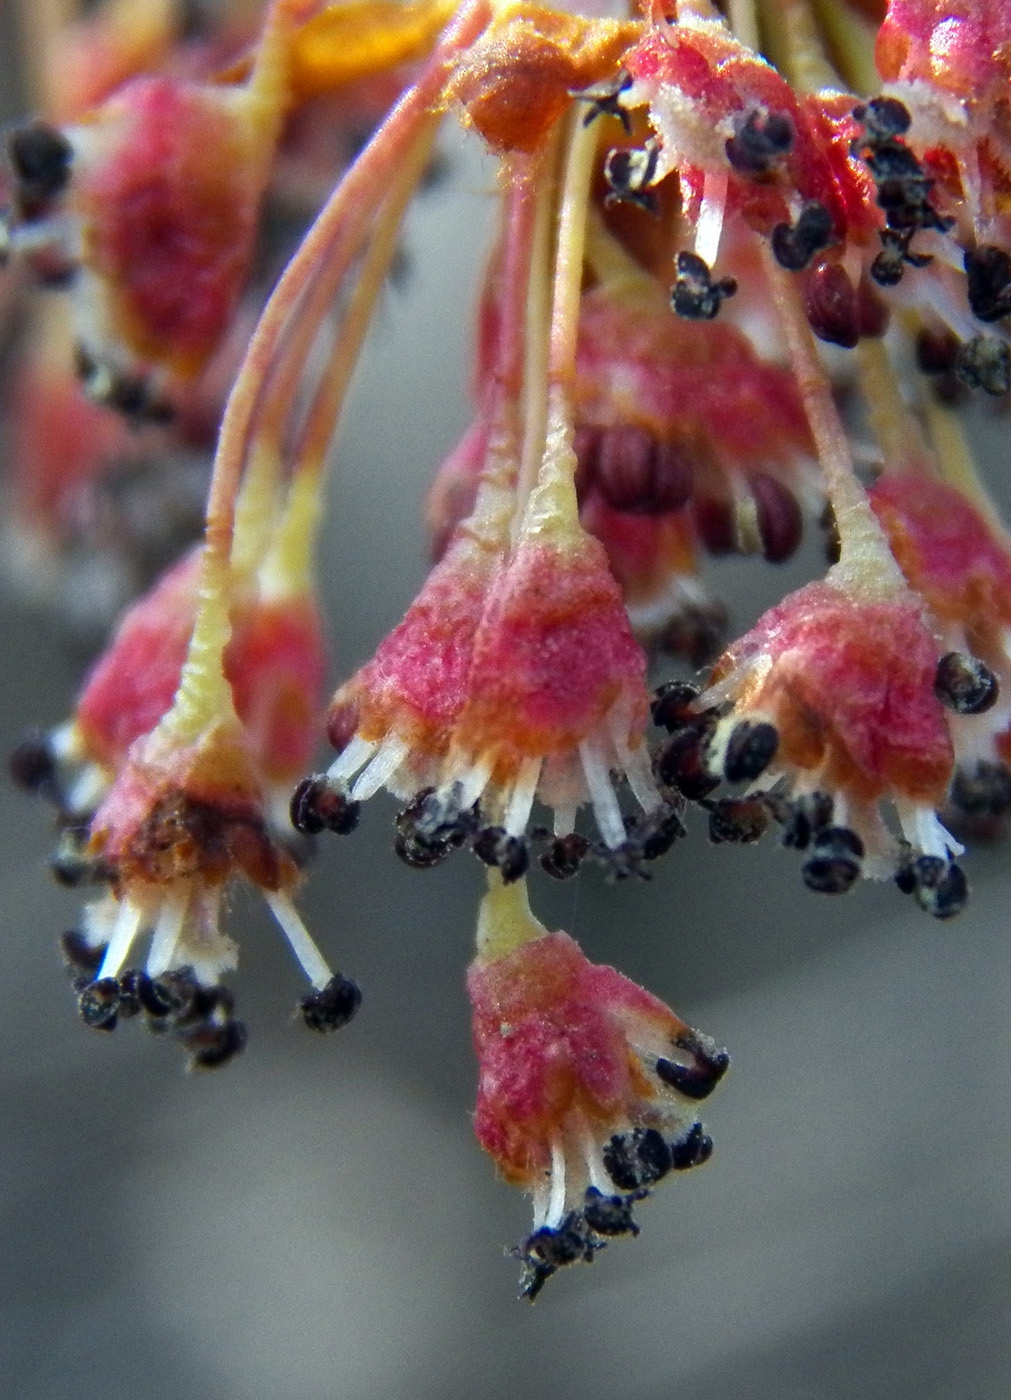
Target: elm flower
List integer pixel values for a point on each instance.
(275, 663)
(587, 1084)
(150, 204)
(184, 817)
(671, 413)
(957, 557)
(830, 700)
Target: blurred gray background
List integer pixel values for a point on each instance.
(318, 1221)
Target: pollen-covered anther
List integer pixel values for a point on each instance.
(984, 362)
(509, 855)
(896, 255)
(738, 820)
(883, 119)
(332, 1007)
(794, 245)
(695, 295)
(80, 956)
(32, 764)
(803, 818)
(981, 790)
(98, 1004)
(56, 767)
(707, 1066)
(40, 157)
(431, 827)
(938, 885)
(604, 99)
(673, 705)
(318, 805)
(741, 750)
(564, 856)
(965, 684)
(652, 834)
(834, 861)
(681, 763)
(988, 281)
(760, 143)
(630, 174)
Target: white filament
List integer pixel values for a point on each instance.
(391, 755)
(123, 933)
(302, 944)
(517, 813)
(351, 758)
(166, 934)
(605, 804)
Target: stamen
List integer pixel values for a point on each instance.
(709, 228)
(635, 763)
(556, 1201)
(925, 832)
(354, 756)
(466, 790)
(166, 933)
(124, 932)
(391, 755)
(302, 944)
(85, 794)
(610, 823)
(517, 812)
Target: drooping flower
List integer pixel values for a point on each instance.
(957, 558)
(830, 700)
(587, 1084)
(150, 205)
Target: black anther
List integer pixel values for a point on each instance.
(331, 1007)
(965, 684)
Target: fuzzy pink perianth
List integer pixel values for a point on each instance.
(947, 550)
(698, 384)
(552, 1032)
(170, 215)
(133, 682)
(958, 45)
(851, 687)
(276, 663)
(554, 652)
(721, 79)
(417, 680)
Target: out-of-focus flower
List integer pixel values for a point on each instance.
(587, 1084)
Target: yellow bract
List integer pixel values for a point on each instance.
(361, 37)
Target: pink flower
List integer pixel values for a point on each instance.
(830, 702)
(587, 1084)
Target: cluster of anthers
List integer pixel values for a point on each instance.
(752, 259)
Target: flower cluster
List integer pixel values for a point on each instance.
(728, 297)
